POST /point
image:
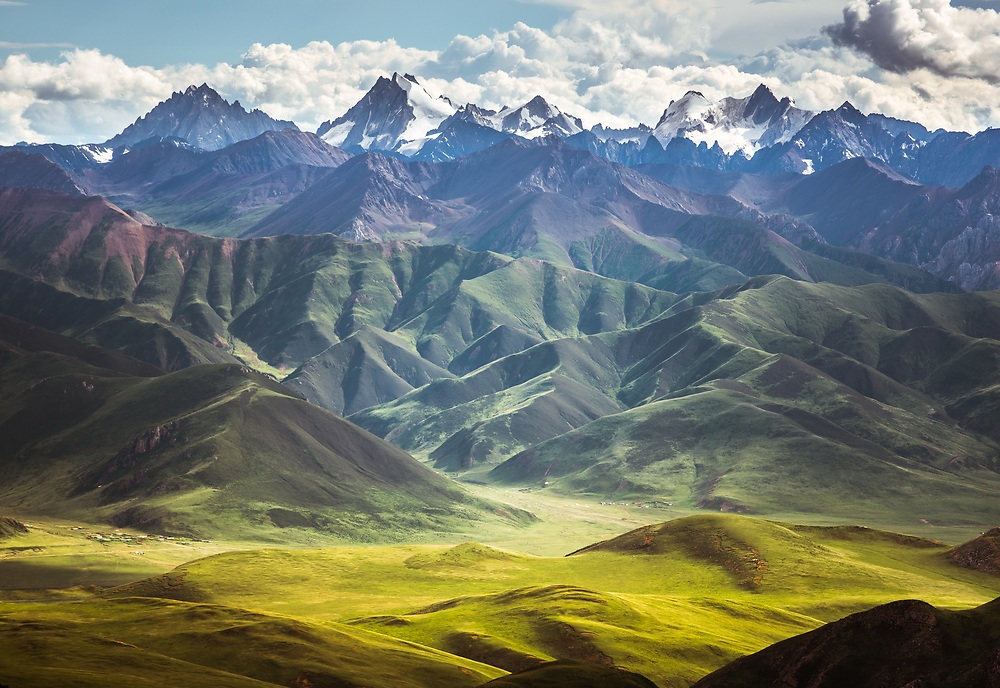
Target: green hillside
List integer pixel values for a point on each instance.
(209, 451)
(775, 396)
(780, 397)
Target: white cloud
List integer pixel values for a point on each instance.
(613, 62)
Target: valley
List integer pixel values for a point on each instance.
(650, 601)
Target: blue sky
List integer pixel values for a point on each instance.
(76, 71)
(157, 33)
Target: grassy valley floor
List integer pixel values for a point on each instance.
(85, 605)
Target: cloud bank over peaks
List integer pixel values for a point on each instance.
(615, 63)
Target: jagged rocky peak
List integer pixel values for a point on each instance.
(539, 107)
(849, 112)
(470, 112)
(691, 112)
(763, 104)
(204, 93)
(202, 118)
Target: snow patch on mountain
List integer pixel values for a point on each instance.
(742, 125)
(401, 115)
(101, 155)
(535, 119)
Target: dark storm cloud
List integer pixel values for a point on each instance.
(905, 35)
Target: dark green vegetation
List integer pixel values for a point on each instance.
(773, 396)
(565, 673)
(209, 451)
(671, 602)
(898, 644)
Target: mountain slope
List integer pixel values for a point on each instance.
(468, 359)
(83, 267)
(97, 643)
(846, 201)
(561, 204)
(951, 233)
(31, 171)
(211, 450)
(861, 400)
(218, 192)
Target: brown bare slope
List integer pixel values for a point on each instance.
(980, 554)
(902, 644)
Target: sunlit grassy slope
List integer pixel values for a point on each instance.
(146, 642)
(671, 602)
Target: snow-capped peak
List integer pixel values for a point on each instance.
(397, 114)
(735, 124)
(535, 119)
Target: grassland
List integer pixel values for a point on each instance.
(56, 554)
(671, 602)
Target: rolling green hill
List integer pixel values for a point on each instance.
(146, 642)
(210, 451)
(779, 397)
(85, 268)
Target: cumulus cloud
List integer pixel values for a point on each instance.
(617, 66)
(905, 35)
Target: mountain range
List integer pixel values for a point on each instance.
(838, 184)
(215, 325)
(490, 310)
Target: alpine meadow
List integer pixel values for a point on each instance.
(643, 344)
